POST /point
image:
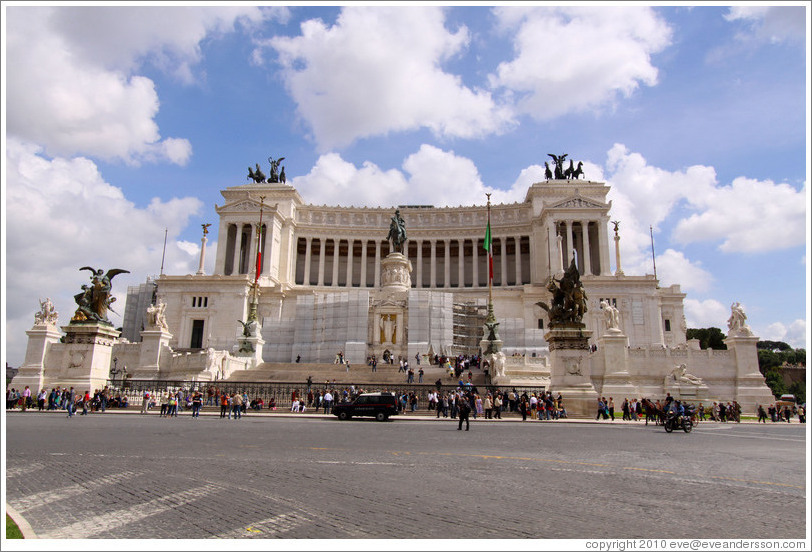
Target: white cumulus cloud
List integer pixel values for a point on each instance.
(771, 23)
(572, 59)
(378, 70)
(62, 215)
(72, 82)
(709, 313)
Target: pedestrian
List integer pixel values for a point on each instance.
(69, 402)
(26, 397)
(464, 411)
(223, 404)
(145, 403)
(197, 403)
(497, 406)
(488, 405)
(611, 406)
(236, 405)
(762, 414)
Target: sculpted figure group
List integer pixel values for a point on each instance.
(559, 172)
(277, 173)
(397, 232)
(47, 313)
(95, 299)
(568, 304)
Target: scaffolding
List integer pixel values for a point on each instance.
(469, 320)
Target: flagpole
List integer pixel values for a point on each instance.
(490, 257)
(252, 313)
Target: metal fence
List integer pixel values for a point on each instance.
(282, 392)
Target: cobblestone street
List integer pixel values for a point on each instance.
(131, 476)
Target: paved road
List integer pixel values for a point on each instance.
(132, 476)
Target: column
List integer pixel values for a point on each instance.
(587, 249)
(322, 242)
(350, 243)
(433, 270)
(377, 263)
(251, 263)
(475, 263)
(419, 263)
(364, 263)
(235, 262)
(335, 262)
(203, 241)
(568, 256)
(447, 267)
(308, 255)
(461, 263)
(518, 241)
(603, 245)
(503, 262)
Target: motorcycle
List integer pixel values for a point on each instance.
(675, 421)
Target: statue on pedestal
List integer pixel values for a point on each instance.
(569, 299)
(681, 376)
(397, 232)
(737, 322)
(156, 316)
(47, 314)
(95, 299)
(611, 315)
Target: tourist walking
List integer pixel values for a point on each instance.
(464, 411)
(236, 405)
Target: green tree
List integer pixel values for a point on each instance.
(799, 390)
(775, 381)
(709, 338)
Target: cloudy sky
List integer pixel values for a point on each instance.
(124, 122)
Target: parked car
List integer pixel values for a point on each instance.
(376, 405)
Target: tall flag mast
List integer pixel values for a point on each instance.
(488, 246)
(252, 313)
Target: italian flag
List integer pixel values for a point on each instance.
(488, 246)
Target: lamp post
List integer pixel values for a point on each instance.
(114, 370)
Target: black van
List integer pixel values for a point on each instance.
(377, 405)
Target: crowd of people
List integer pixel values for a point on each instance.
(448, 404)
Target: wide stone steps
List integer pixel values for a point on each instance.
(357, 373)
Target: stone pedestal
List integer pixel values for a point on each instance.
(153, 342)
(396, 271)
(32, 372)
(88, 354)
(751, 389)
(617, 381)
(251, 347)
(570, 373)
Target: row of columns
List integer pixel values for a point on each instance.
(418, 271)
(577, 239)
(244, 252)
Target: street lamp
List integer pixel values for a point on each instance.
(114, 370)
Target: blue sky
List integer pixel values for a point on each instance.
(124, 121)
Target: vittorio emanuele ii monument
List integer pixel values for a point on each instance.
(529, 285)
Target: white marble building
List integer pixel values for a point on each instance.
(328, 282)
(321, 271)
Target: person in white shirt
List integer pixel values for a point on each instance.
(328, 402)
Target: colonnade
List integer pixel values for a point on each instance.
(581, 240)
(437, 263)
(241, 249)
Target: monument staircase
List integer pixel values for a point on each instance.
(386, 374)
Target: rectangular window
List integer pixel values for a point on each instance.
(667, 325)
(541, 323)
(194, 301)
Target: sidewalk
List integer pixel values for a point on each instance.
(422, 416)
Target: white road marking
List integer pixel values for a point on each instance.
(99, 524)
(70, 492)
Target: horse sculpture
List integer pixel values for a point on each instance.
(578, 171)
(257, 176)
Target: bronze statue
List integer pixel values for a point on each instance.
(95, 299)
(257, 176)
(559, 165)
(397, 232)
(548, 174)
(579, 171)
(568, 305)
(205, 228)
(274, 178)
